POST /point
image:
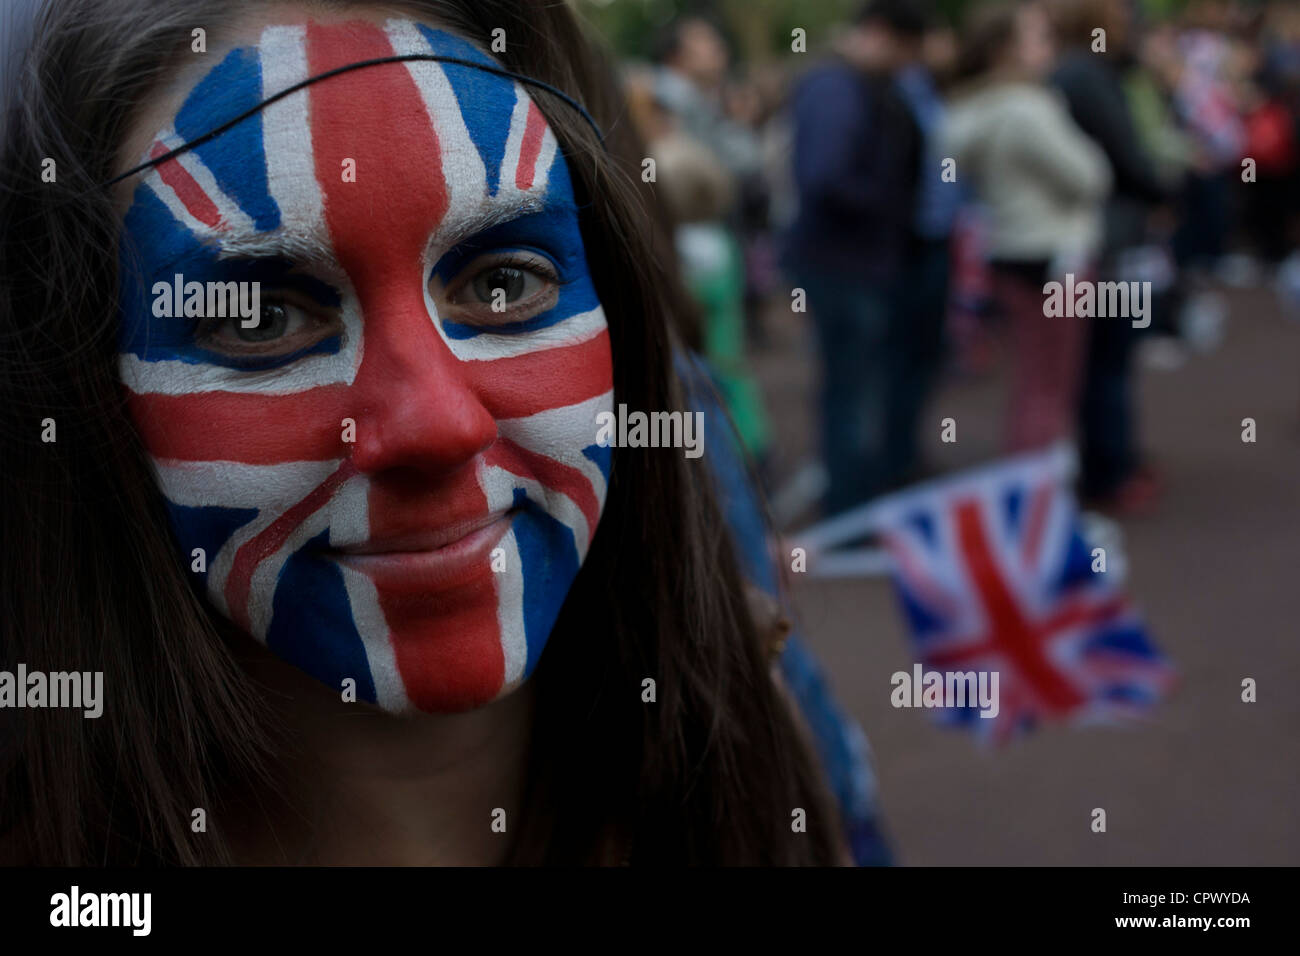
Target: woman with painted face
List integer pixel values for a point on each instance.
(300, 419)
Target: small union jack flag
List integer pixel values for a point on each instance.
(994, 574)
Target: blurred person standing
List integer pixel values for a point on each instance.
(704, 162)
(925, 48)
(1149, 86)
(1206, 103)
(690, 83)
(693, 82)
(1043, 183)
(1270, 121)
(757, 100)
(856, 152)
(699, 191)
(1089, 75)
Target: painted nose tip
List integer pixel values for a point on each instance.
(416, 404)
(433, 423)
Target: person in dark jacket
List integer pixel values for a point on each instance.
(856, 149)
(921, 302)
(1089, 76)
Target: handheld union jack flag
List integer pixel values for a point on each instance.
(994, 574)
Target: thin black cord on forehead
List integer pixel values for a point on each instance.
(498, 71)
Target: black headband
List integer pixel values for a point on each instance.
(498, 71)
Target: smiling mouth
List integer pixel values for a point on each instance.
(426, 560)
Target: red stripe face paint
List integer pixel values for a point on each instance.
(394, 475)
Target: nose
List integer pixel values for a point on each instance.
(414, 407)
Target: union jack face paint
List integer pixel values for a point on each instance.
(391, 481)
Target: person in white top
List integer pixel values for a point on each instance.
(1042, 183)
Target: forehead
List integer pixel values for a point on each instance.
(246, 33)
(412, 139)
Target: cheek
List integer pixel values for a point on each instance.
(554, 450)
(248, 428)
(239, 473)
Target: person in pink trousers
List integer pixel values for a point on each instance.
(1042, 183)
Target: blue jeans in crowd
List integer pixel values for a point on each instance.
(916, 353)
(1205, 217)
(1107, 410)
(852, 319)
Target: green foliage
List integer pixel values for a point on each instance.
(756, 29)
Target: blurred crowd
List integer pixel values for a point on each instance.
(911, 185)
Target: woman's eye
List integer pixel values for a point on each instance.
(272, 323)
(503, 284)
(283, 328)
(515, 287)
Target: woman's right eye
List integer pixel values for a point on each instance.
(284, 326)
(272, 324)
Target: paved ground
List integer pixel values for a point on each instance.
(1210, 780)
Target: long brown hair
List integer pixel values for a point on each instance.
(90, 578)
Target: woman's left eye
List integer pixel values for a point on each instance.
(512, 286)
(505, 284)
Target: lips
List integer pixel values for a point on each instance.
(423, 560)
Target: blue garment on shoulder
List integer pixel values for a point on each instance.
(937, 202)
(841, 745)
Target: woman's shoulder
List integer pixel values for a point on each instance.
(989, 101)
(1035, 101)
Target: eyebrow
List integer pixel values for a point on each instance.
(454, 233)
(304, 248)
(309, 249)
